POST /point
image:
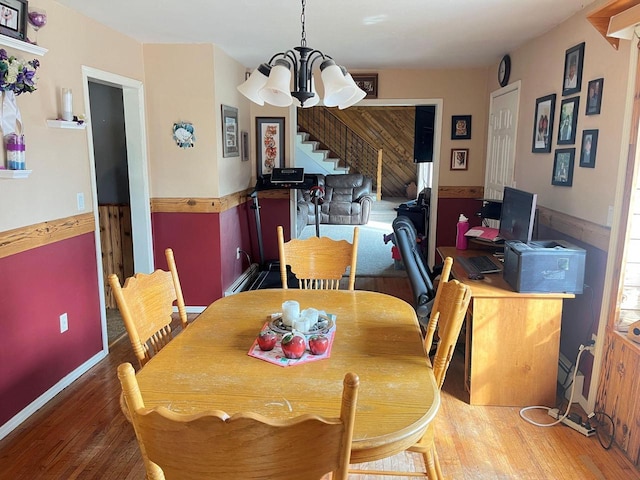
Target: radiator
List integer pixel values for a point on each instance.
(244, 280)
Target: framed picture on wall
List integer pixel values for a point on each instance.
(245, 146)
(594, 96)
(230, 136)
(572, 79)
(563, 167)
(568, 121)
(269, 144)
(460, 127)
(367, 82)
(589, 148)
(543, 124)
(459, 158)
(13, 18)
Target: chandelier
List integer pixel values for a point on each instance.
(271, 81)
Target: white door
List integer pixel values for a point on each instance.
(503, 125)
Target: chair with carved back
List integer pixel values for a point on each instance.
(433, 323)
(452, 307)
(146, 304)
(318, 262)
(245, 445)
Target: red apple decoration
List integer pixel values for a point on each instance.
(267, 340)
(293, 345)
(318, 344)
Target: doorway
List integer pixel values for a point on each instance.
(137, 172)
(427, 173)
(112, 182)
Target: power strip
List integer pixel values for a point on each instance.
(587, 431)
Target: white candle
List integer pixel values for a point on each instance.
(67, 104)
(290, 312)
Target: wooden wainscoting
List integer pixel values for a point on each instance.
(619, 392)
(117, 246)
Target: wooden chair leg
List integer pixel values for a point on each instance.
(436, 461)
(431, 464)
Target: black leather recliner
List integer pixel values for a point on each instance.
(420, 276)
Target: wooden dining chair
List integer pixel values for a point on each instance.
(318, 262)
(433, 323)
(146, 304)
(452, 308)
(242, 446)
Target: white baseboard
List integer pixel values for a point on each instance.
(42, 400)
(193, 309)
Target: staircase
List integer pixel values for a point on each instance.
(314, 159)
(354, 154)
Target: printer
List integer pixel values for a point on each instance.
(544, 266)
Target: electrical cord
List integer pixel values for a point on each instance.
(548, 409)
(246, 255)
(598, 434)
(587, 341)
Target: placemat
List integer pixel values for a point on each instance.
(276, 356)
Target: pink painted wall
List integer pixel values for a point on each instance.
(204, 245)
(36, 287)
(195, 240)
(449, 210)
(273, 212)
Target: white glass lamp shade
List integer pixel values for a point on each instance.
(359, 95)
(276, 91)
(313, 101)
(256, 82)
(337, 89)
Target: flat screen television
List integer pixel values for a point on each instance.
(517, 217)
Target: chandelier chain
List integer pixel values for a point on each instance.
(303, 39)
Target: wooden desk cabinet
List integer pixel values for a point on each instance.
(512, 340)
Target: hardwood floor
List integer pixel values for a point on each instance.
(82, 434)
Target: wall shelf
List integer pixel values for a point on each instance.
(15, 173)
(66, 124)
(23, 46)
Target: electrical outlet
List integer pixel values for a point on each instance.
(80, 201)
(238, 253)
(64, 323)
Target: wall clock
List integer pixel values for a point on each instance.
(504, 69)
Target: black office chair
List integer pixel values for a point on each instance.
(420, 276)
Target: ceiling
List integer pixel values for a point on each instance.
(359, 34)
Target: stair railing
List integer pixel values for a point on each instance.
(344, 143)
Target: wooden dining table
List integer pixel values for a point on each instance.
(207, 367)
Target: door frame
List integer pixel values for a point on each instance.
(437, 141)
(137, 157)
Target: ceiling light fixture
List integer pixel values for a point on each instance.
(270, 82)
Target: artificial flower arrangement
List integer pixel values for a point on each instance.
(16, 75)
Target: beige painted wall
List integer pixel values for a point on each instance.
(540, 66)
(233, 174)
(197, 97)
(179, 88)
(464, 92)
(59, 158)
